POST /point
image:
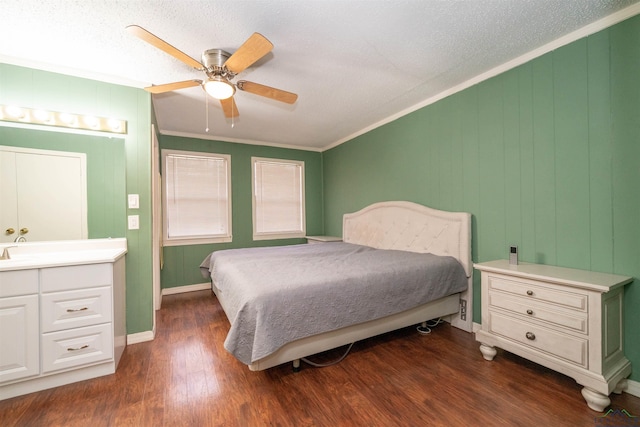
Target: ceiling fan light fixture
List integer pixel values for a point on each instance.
(219, 88)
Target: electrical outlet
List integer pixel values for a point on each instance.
(463, 309)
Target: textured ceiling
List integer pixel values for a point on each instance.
(354, 64)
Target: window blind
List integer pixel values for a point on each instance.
(278, 198)
(197, 196)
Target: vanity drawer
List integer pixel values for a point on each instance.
(533, 290)
(73, 309)
(76, 277)
(76, 347)
(573, 320)
(559, 345)
(18, 282)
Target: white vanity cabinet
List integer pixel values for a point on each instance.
(76, 316)
(61, 321)
(568, 320)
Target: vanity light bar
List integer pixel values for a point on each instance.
(11, 113)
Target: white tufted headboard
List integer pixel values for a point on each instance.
(411, 227)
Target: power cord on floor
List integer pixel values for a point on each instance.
(425, 327)
(324, 365)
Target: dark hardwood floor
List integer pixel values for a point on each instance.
(186, 378)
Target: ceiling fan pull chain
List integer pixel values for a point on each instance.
(206, 103)
(233, 116)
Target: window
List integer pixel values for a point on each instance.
(196, 197)
(278, 199)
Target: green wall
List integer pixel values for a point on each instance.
(544, 156)
(106, 180)
(31, 88)
(181, 262)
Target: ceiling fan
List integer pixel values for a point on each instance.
(220, 67)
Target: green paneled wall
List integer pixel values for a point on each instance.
(544, 156)
(27, 87)
(106, 180)
(181, 262)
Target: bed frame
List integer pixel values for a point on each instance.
(402, 226)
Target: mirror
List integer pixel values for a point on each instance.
(106, 175)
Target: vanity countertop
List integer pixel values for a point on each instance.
(31, 255)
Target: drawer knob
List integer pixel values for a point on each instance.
(79, 348)
(529, 292)
(75, 310)
(529, 312)
(530, 336)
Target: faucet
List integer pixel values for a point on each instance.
(20, 239)
(5, 252)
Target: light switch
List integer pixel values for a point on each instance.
(134, 201)
(134, 222)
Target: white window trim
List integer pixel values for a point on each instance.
(277, 235)
(167, 241)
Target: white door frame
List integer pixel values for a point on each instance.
(156, 222)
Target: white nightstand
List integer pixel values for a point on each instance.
(322, 239)
(565, 319)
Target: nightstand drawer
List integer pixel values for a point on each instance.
(73, 309)
(534, 291)
(557, 344)
(575, 321)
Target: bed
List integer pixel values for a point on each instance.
(286, 303)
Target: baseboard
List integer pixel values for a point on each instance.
(141, 337)
(633, 388)
(186, 288)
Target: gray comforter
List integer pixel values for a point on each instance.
(276, 295)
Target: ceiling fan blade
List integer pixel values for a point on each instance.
(267, 91)
(153, 40)
(168, 87)
(229, 107)
(251, 50)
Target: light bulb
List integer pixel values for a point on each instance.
(42, 115)
(91, 121)
(115, 125)
(15, 112)
(219, 88)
